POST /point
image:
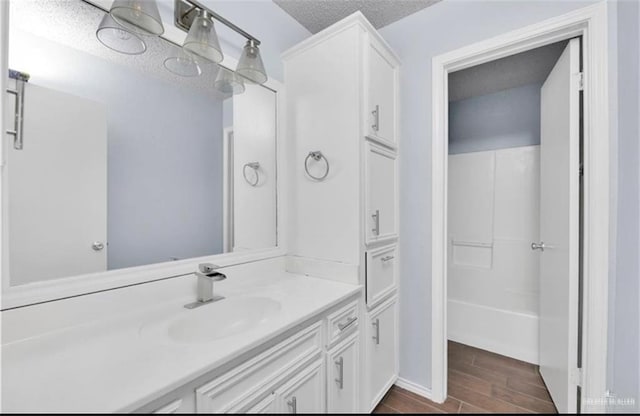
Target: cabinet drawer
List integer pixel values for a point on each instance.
(341, 323)
(235, 388)
(381, 194)
(343, 370)
(305, 392)
(382, 350)
(382, 273)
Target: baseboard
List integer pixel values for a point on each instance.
(414, 388)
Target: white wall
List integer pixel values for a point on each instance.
(443, 27)
(493, 274)
(254, 140)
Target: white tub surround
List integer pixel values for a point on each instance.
(494, 199)
(95, 354)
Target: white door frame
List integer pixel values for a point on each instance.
(590, 23)
(227, 189)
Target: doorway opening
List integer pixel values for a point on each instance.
(507, 339)
(583, 382)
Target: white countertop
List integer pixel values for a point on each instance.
(108, 366)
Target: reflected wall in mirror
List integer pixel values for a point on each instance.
(119, 162)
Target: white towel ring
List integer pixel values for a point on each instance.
(317, 156)
(255, 166)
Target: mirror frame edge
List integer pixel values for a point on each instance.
(46, 291)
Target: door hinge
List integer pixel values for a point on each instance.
(581, 170)
(581, 81)
(576, 376)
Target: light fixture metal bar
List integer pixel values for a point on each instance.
(185, 11)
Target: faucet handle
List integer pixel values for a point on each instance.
(207, 268)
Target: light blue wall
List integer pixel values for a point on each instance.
(508, 118)
(164, 157)
(624, 309)
(446, 26)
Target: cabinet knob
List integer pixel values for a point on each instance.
(97, 246)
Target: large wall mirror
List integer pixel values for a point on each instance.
(119, 162)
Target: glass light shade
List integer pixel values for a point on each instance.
(250, 65)
(227, 82)
(118, 38)
(202, 40)
(140, 16)
(183, 65)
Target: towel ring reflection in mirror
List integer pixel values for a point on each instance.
(317, 156)
(255, 166)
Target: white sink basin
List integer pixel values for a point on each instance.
(214, 321)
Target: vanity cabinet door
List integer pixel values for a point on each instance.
(381, 88)
(343, 377)
(380, 192)
(305, 392)
(268, 405)
(382, 350)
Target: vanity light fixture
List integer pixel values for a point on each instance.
(140, 16)
(202, 40)
(250, 64)
(120, 39)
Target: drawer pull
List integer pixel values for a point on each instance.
(376, 337)
(376, 219)
(347, 324)
(376, 118)
(340, 380)
(387, 258)
(293, 404)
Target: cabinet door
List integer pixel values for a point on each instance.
(267, 405)
(382, 350)
(305, 392)
(381, 89)
(380, 193)
(342, 377)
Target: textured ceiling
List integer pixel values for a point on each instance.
(528, 67)
(316, 15)
(73, 23)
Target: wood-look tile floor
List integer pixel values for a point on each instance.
(479, 382)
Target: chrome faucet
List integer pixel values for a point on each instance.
(206, 274)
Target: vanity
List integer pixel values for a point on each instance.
(285, 194)
(273, 340)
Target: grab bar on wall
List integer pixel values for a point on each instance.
(471, 244)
